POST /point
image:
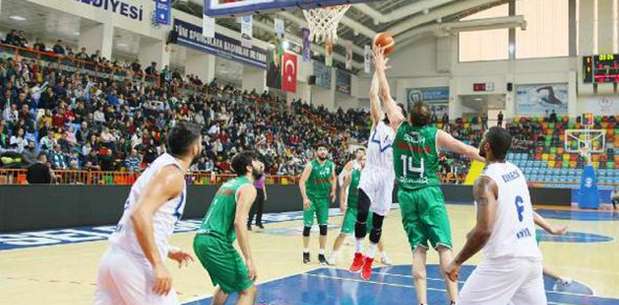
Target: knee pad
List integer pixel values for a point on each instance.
(306, 231)
(375, 235)
(323, 229)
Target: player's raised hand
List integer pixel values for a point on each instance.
(181, 257)
(379, 59)
(452, 271)
(163, 280)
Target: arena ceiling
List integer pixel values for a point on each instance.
(362, 21)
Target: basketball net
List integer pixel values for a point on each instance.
(323, 22)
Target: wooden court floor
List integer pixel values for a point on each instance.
(65, 273)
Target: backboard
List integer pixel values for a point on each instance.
(225, 8)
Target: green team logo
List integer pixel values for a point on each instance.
(414, 138)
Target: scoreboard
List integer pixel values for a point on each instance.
(603, 68)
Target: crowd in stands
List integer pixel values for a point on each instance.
(90, 121)
(82, 121)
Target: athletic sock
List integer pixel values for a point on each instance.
(306, 250)
(359, 245)
(321, 251)
(371, 250)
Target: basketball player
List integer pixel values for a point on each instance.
(511, 271)
(317, 184)
(376, 185)
(132, 271)
(225, 220)
(349, 195)
(415, 160)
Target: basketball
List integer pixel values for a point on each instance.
(385, 40)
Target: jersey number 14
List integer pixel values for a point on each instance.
(408, 166)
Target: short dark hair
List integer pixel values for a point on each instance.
(181, 137)
(241, 161)
(420, 114)
(500, 141)
(359, 149)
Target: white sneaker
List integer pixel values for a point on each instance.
(561, 284)
(385, 260)
(331, 260)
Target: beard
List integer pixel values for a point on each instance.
(322, 158)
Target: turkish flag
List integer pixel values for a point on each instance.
(289, 72)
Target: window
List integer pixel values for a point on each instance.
(547, 33)
(485, 45)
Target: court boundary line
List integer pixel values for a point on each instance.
(255, 284)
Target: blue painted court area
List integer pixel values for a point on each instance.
(579, 215)
(574, 237)
(389, 285)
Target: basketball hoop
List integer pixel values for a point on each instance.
(323, 21)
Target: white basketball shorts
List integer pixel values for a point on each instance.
(517, 281)
(379, 188)
(126, 279)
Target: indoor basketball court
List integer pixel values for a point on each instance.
(468, 59)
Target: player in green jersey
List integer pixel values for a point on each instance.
(317, 184)
(349, 198)
(225, 220)
(415, 159)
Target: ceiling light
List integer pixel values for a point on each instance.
(122, 45)
(76, 33)
(17, 18)
(479, 99)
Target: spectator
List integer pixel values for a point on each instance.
(500, 119)
(132, 162)
(91, 162)
(39, 45)
(553, 117)
(30, 153)
(58, 48)
(82, 55)
(57, 158)
(39, 172)
(47, 142)
(614, 197)
(484, 120)
(17, 142)
(152, 69)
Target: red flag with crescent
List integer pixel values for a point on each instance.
(289, 72)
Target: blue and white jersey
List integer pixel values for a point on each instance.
(513, 234)
(379, 152)
(164, 219)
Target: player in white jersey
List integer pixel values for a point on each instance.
(132, 271)
(511, 271)
(376, 185)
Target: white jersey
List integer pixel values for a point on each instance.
(164, 219)
(379, 151)
(513, 234)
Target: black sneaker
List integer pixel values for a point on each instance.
(306, 258)
(248, 227)
(260, 226)
(322, 259)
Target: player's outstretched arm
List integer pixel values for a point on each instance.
(302, 180)
(548, 227)
(245, 198)
(376, 112)
(447, 142)
(165, 185)
(389, 105)
(485, 192)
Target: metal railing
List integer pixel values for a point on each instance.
(18, 176)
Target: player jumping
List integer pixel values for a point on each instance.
(376, 185)
(415, 160)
